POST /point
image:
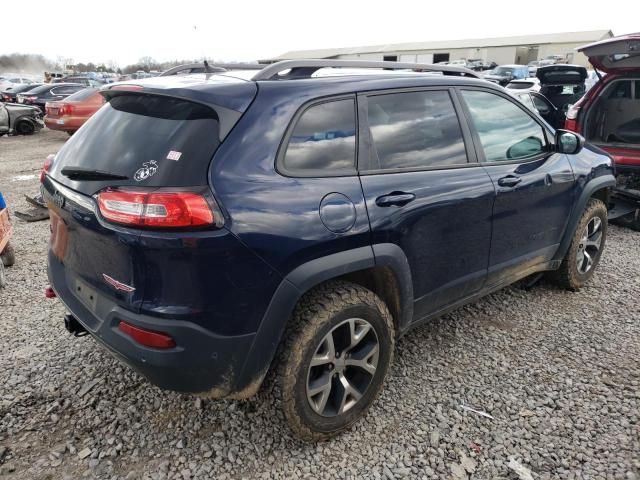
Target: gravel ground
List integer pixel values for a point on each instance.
(558, 372)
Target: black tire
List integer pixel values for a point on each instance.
(570, 275)
(25, 127)
(3, 278)
(329, 310)
(8, 255)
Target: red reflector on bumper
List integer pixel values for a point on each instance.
(147, 338)
(49, 293)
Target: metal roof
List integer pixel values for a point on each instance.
(567, 37)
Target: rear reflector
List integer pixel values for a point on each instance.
(49, 293)
(156, 209)
(148, 338)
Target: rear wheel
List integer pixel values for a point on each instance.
(586, 248)
(337, 355)
(8, 256)
(3, 278)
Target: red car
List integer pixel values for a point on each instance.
(71, 113)
(608, 115)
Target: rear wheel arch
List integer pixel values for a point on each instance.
(386, 274)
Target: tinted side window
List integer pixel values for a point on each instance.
(323, 140)
(621, 89)
(414, 130)
(505, 130)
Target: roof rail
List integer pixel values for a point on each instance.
(205, 67)
(306, 68)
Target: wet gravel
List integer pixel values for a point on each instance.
(556, 372)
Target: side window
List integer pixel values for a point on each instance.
(621, 89)
(323, 140)
(506, 132)
(414, 130)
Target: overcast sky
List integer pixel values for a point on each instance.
(124, 31)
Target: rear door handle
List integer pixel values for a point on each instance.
(509, 181)
(399, 199)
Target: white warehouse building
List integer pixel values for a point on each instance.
(502, 50)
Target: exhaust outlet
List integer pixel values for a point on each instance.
(73, 326)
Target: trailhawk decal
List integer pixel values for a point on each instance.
(118, 285)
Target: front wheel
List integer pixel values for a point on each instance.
(586, 248)
(25, 127)
(337, 355)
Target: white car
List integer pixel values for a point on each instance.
(458, 63)
(524, 85)
(7, 81)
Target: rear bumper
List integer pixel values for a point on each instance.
(69, 124)
(201, 361)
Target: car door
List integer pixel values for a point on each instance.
(424, 193)
(535, 189)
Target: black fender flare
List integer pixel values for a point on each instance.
(595, 184)
(302, 279)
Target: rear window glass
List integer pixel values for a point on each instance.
(41, 89)
(82, 94)
(152, 140)
(323, 141)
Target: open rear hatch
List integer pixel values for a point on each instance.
(615, 55)
(136, 168)
(563, 85)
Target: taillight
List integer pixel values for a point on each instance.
(572, 113)
(158, 209)
(66, 109)
(47, 166)
(571, 121)
(148, 338)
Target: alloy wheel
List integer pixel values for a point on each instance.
(589, 245)
(342, 367)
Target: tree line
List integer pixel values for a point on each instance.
(37, 64)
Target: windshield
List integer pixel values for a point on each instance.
(502, 71)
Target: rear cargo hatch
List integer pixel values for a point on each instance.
(138, 143)
(562, 75)
(615, 55)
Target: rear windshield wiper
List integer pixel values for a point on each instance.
(79, 173)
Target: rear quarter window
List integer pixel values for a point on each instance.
(323, 140)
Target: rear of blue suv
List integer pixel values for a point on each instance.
(201, 223)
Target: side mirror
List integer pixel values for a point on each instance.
(568, 142)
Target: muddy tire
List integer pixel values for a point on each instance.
(336, 355)
(586, 248)
(8, 256)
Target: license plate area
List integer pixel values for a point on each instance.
(87, 295)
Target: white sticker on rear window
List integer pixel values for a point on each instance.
(173, 155)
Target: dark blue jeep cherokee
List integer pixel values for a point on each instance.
(202, 223)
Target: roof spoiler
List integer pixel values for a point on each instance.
(306, 68)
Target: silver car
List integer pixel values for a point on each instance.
(18, 119)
